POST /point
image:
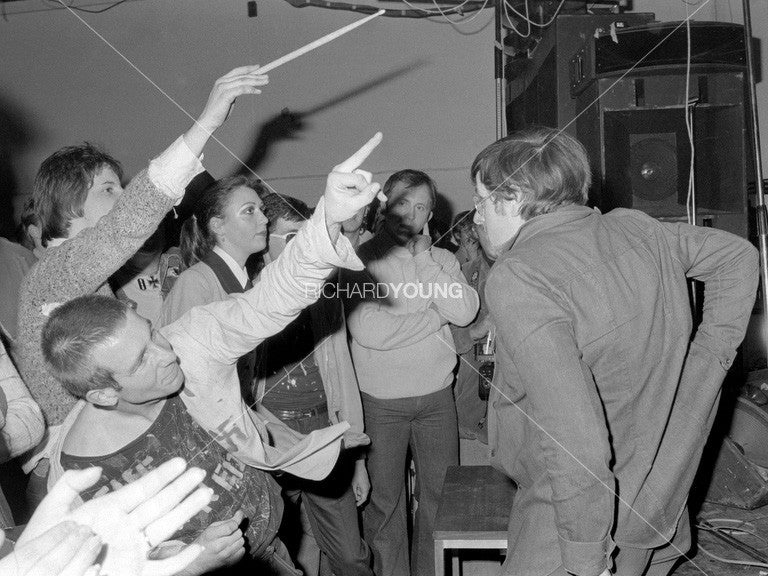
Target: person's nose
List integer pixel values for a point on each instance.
(164, 353)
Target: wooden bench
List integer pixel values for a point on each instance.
(473, 512)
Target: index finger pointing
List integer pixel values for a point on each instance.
(354, 161)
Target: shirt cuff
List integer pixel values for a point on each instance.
(172, 170)
(586, 558)
(342, 254)
(721, 351)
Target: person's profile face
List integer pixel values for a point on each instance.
(244, 225)
(408, 211)
(485, 243)
(498, 218)
(101, 196)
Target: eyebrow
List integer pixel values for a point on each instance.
(140, 358)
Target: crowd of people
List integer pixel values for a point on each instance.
(299, 359)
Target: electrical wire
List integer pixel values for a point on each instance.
(445, 12)
(71, 6)
(733, 525)
(537, 24)
(690, 206)
(509, 20)
(438, 10)
(475, 15)
(414, 11)
(730, 525)
(730, 560)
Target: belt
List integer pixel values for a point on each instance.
(300, 413)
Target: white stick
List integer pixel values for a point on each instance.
(319, 42)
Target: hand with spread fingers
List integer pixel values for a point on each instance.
(129, 521)
(63, 550)
(349, 188)
(237, 82)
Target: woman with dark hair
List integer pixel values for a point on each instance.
(227, 226)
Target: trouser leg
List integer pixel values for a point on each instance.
(387, 423)
(435, 446)
(332, 513)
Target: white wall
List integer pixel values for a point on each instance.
(427, 85)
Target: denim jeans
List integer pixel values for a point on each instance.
(428, 425)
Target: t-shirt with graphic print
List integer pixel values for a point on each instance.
(235, 485)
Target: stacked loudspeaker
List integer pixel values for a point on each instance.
(630, 90)
(618, 83)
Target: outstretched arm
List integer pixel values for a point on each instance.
(223, 331)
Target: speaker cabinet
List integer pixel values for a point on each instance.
(538, 87)
(634, 128)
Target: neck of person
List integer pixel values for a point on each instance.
(394, 239)
(237, 255)
(118, 426)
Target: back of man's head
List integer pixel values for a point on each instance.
(543, 168)
(277, 206)
(62, 183)
(70, 336)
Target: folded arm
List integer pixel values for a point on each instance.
(455, 299)
(374, 325)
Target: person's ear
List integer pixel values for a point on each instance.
(429, 218)
(216, 224)
(105, 397)
(513, 206)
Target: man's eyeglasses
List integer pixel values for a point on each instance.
(480, 203)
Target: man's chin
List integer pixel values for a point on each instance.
(404, 235)
(175, 383)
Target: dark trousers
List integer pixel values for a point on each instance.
(331, 509)
(428, 425)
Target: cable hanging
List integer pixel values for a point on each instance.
(412, 12)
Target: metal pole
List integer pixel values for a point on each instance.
(498, 62)
(762, 215)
